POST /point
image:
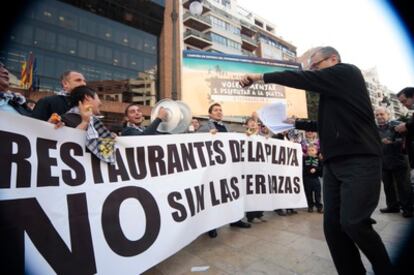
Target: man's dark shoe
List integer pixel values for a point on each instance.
(240, 224)
(389, 210)
(280, 212)
(320, 210)
(291, 211)
(407, 214)
(310, 209)
(212, 233)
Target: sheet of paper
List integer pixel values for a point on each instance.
(273, 115)
(200, 268)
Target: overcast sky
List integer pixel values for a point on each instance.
(365, 32)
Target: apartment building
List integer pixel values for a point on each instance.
(225, 27)
(381, 95)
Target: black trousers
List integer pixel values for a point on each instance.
(313, 191)
(351, 189)
(397, 181)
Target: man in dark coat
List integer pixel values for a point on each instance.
(351, 149)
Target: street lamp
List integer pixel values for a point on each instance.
(174, 17)
(196, 7)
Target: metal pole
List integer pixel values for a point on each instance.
(174, 17)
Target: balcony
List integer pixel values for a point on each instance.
(248, 43)
(197, 39)
(199, 23)
(247, 29)
(247, 53)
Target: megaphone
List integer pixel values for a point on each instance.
(178, 118)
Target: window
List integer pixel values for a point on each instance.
(104, 54)
(150, 45)
(218, 39)
(121, 38)
(87, 26)
(67, 20)
(136, 62)
(149, 63)
(46, 13)
(44, 39)
(135, 42)
(86, 49)
(224, 41)
(218, 23)
(66, 44)
(25, 35)
(105, 32)
(49, 68)
(120, 58)
(258, 23)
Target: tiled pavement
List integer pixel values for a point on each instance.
(292, 244)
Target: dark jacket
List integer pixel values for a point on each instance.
(393, 155)
(309, 163)
(346, 123)
(409, 141)
(144, 131)
(48, 105)
(211, 124)
(71, 119)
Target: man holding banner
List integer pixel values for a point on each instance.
(213, 126)
(351, 148)
(59, 103)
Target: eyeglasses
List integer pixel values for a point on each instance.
(315, 65)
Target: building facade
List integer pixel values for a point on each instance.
(77, 36)
(226, 27)
(380, 95)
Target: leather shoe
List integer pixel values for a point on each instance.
(280, 212)
(320, 210)
(389, 210)
(310, 209)
(212, 233)
(407, 214)
(240, 224)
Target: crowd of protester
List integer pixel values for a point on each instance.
(78, 106)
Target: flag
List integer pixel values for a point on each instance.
(26, 78)
(23, 74)
(34, 77)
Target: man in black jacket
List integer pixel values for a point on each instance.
(351, 149)
(59, 103)
(395, 167)
(406, 97)
(134, 118)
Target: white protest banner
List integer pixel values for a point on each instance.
(64, 211)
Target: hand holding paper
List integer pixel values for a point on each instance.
(274, 117)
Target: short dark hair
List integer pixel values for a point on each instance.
(79, 94)
(327, 52)
(407, 92)
(65, 75)
(129, 106)
(210, 109)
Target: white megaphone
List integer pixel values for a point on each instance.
(178, 118)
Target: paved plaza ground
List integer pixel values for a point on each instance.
(292, 244)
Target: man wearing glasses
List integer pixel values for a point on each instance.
(351, 148)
